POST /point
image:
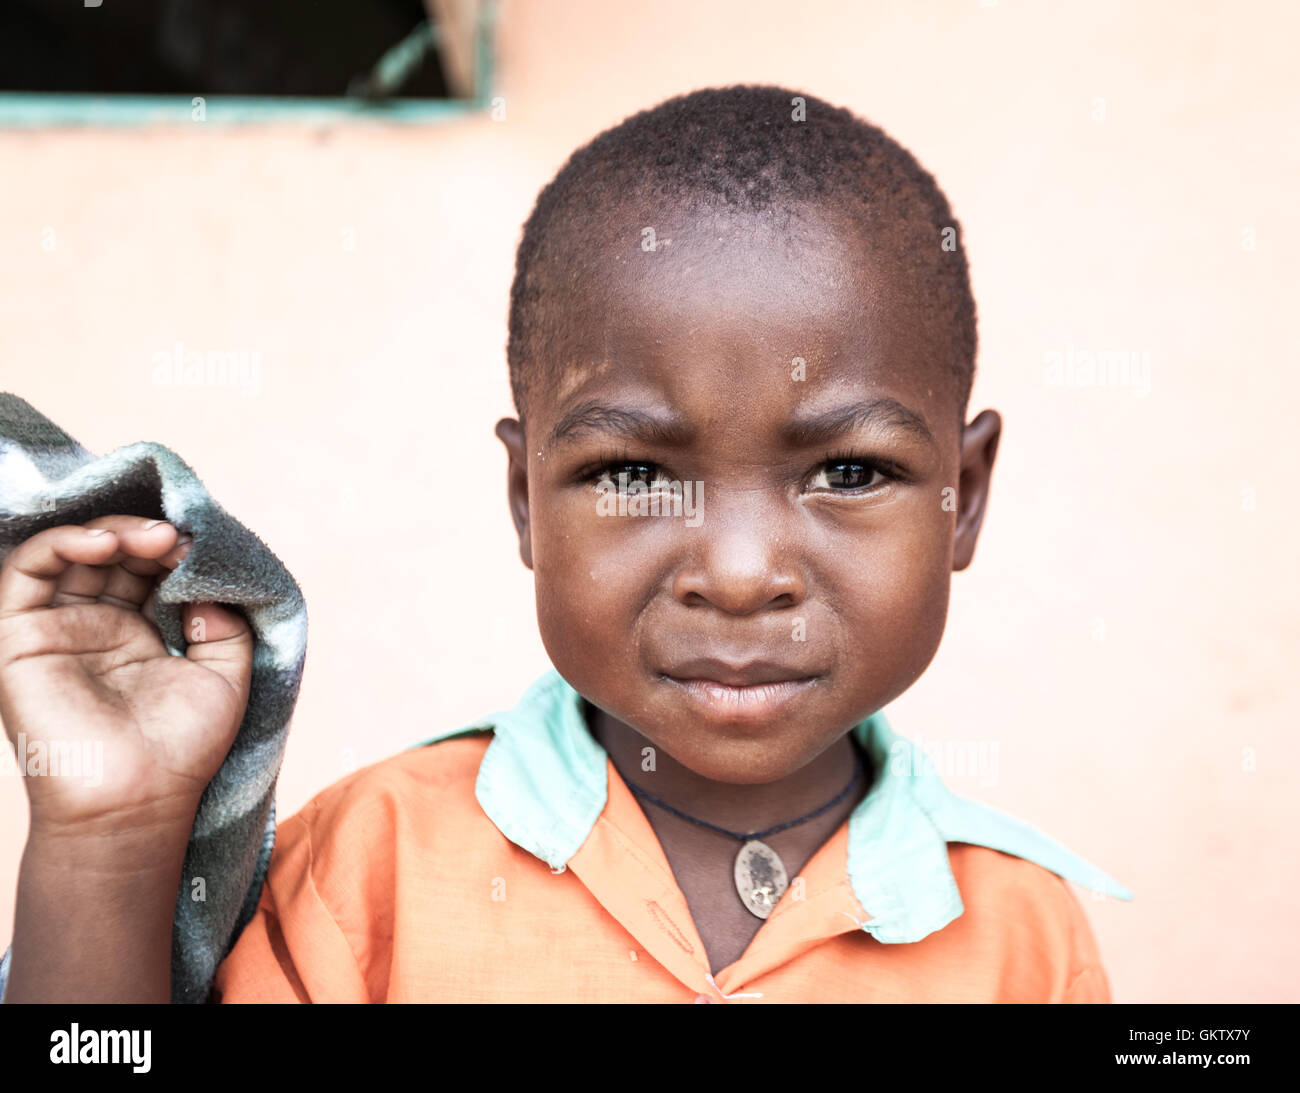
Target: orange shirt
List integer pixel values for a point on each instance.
(495, 867)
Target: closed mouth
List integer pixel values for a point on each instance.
(739, 675)
(741, 701)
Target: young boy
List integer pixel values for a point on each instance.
(741, 347)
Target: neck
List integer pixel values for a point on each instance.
(741, 808)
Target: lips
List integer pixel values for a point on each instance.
(747, 674)
(755, 690)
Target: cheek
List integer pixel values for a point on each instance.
(892, 602)
(590, 580)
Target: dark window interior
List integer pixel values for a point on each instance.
(306, 48)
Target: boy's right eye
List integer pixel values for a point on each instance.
(644, 474)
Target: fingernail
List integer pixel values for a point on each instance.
(96, 531)
(153, 524)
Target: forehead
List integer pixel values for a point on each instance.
(691, 307)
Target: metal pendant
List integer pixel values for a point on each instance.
(760, 877)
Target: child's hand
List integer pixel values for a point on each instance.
(84, 669)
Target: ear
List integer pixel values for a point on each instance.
(511, 433)
(979, 447)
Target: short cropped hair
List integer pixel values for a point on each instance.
(750, 148)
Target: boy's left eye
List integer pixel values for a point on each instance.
(846, 475)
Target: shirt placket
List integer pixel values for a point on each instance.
(624, 867)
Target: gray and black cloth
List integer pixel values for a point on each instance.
(47, 479)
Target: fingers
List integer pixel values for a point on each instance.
(168, 561)
(115, 557)
(127, 579)
(30, 575)
(177, 554)
(221, 640)
(141, 541)
(211, 622)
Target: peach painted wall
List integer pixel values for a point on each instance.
(1126, 178)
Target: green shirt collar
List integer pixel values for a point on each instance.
(542, 782)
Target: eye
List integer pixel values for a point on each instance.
(848, 475)
(644, 475)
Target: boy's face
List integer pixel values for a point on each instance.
(808, 587)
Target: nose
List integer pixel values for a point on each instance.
(741, 563)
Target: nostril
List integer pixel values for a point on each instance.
(738, 594)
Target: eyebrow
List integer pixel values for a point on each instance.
(636, 425)
(879, 413)
(671, 429)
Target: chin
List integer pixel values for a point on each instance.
(735, 759)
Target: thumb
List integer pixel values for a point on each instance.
(221, 640)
